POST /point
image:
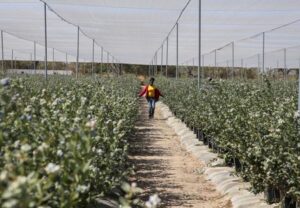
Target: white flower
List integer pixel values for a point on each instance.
(153, 201)
(62, 119)
(43, 102)
(28, 109)
(25, 148)
(52, 168)
(59, 153)
(3, 175)
(42, 147)
(76, 119)
(56, 102)
(91, 124)
(280, 121)
(297, 115)
(10, 203)
(99, 152)
(83, 100)
(82, 188)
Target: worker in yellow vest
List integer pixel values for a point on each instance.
(152, 96)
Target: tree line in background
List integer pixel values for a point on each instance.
(144, 70)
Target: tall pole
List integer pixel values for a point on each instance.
(167, 57)
(177, 51)
(155, 72)
(258, 63)
(107, 61)
(12, 59)
(46, 50)
(53, 59)
(162, 58)
(2, 50)
(34, 57)
(93, 56)
(30, 65)
(263, 54)
(101, 61)
(77, 56)
(285, 65)
(232, 70)
(66, 62)
(299, 88)
(215, 52)
(199, 44)
(202, 69)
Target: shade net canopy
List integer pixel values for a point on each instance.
(132, 31)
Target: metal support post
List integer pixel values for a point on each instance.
(107, 61)
(66, 62)
(77, 56)
(177, 51)
(199, 44)
(285, 65)
(202, 68)
(258, 63)
(162, 58)
(34, 57)
(93, 58)
(232, 70)
(167, 57)
(46, 41)
(53, 59)
(2, 50)
(101, 61)
(299, 88)
(263, 54)
(12, 59)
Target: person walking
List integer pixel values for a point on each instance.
(152, 95)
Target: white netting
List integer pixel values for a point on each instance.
(132, 30)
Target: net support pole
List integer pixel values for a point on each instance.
(263, 53)
(2, 51)
(77, 55)
(34, 57)
(167, 56)
(177, 51)
(232, 69)
(93, 58)
(101, 67)
(53, 59)
(299, 88)
(149, 68)
(30, 65)
(215, 52)
(242, 68)
(12, 59)
(107, 54)
(162, 58)
(66, 62)
(202, 68)
(258, 63)
(46, 41)
(155, 72)
(285, 65)
(199, 44)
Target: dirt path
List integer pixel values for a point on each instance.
(164, 167)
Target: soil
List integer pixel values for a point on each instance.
(163, 166)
